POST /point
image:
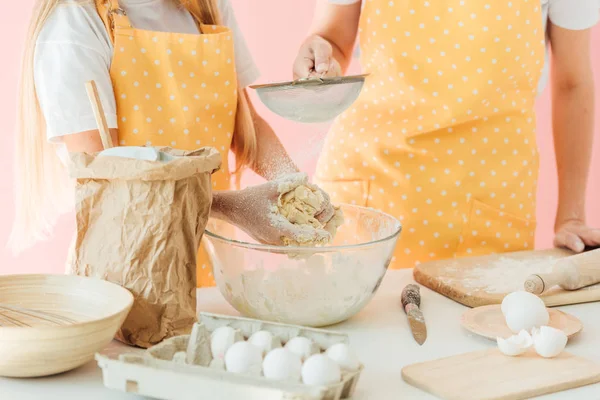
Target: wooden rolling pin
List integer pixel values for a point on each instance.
(570, 273)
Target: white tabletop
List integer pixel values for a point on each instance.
(379, 334)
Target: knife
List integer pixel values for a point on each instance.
(411, 301)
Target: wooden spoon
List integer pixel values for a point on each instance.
(92, 92)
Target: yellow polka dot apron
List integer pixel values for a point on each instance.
(173, 89)
(443, 134)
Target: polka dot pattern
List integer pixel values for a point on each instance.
(443, 134)
(176, 90)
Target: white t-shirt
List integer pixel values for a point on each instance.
(568, 14)
(74, 47)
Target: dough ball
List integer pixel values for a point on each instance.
(343, 356)
(300, 202)
(319, 369)
(222, 339)
(302, 346)
(243, 358)
(335, 222)
(549, 342)
(265, 341)
(282, 365)
(524, 311)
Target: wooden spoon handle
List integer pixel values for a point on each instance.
(92, 92)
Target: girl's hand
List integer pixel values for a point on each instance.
(576, 235)
(315, 59)
(300, 178)
(327, 211)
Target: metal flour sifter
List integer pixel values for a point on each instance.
(311, 100)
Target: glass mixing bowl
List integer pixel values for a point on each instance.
(315, 286)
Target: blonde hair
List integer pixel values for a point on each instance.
(43, 190)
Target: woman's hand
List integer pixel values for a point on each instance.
(327, 52)
(315, 59)
(576, 235)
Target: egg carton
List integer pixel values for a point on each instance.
(158, 374)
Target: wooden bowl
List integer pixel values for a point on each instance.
(489, 322)
(94, 308)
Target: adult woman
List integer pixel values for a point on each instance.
(168, 75)
(443, 135)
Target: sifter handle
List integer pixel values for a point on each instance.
(92, 92)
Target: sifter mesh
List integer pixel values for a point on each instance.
(311, 100)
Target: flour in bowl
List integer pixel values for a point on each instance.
(316, 291)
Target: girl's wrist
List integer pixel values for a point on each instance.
(288, 169)
(283, 167)
(221, 205)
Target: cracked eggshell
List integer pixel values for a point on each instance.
(516, 344)
(222, 339)
(519, 299)
(549, 342)
(516, 300)
(343, 356)
(524, 311)
(302, 346)
(265, 341)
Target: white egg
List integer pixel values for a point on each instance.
(265, 341)
(524, 311)
(243, 358)
(343, 356)
(319, 369)
(179, 357)
(222, 339)
(217, 363)
(549, 342)
(302, 346)
(519, 299)
(282, 365)
(515, 345)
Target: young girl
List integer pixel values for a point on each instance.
(169, 73)
(443, 134)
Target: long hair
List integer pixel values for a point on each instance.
(43, 190)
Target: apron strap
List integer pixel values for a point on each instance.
(113, 16)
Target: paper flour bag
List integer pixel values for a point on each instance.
(139, 224)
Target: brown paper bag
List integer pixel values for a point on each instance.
(139, 224)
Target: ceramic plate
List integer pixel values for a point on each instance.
(488, 321)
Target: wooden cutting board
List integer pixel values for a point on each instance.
(480, 281)
(490, 375)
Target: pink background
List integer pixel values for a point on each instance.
(274, 29)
